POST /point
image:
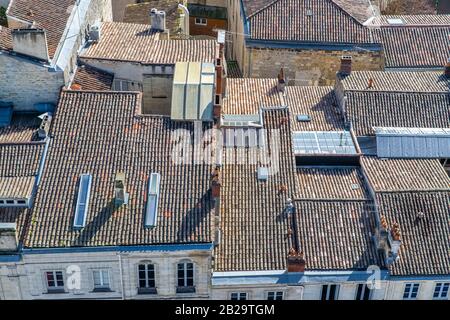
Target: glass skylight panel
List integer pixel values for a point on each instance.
(151, 212)
(323, 142)
(84, 192)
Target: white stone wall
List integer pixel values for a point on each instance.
(26, 280)
(25, 83)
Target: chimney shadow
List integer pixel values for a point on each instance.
(91, 229)
(327, 106)
(195, 217)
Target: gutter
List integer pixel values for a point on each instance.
(307, 45)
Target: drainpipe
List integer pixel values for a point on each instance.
(121, 276)
(185, 16)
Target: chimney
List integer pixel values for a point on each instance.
(346, 65)
(219, 91)
(217, 106)
(158, 20)
(370, 83)
(447, 69)
(215, 183)
(120, 194)
(8, 237)
(31, 42)
(281, 84)
(389, 240)
(296, 261)
(44, 128)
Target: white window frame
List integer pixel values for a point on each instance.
(328, 288)
(410, 291)
(185, 274)
(240, 296)
(146, 277)
(201, 21)
(364, 288)
(56, 287)
(275, 295)
(103, 284)
(441, 284)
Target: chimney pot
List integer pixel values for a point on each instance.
(346, 65)
(296, 262)
(447, 69)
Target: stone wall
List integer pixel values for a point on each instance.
(307, 67)
(26, 279)
(25, 83)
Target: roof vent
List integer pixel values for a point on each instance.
(309, 12)
(158, 19)
(44, 128)
(395, 21)
(151, 212)
(84, 192)
(263, 174)
(303, 118)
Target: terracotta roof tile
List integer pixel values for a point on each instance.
(397, 175)
(22, 128)
(5, 38)
(137, 43)
(51, 15)
(114, 138)
(89, 78)
(423, 218)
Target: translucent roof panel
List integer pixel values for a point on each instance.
(323, 142)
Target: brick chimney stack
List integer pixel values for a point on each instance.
(447, 69)
(220, 82)
(281, 84)
(296, 261)
(215, 183)
(346, 65)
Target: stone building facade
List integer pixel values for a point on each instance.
(40, 81)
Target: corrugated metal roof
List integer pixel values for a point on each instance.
(413, 142)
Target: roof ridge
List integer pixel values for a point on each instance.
(263, 8)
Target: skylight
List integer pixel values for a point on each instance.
(84, 192)
(323, 142)
(151, 212)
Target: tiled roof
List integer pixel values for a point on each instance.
(21, 129)
(317, 102)
(321, 183)
(366, 110)
(397, 175)
(233, 70)
(16, 187)
(20, 159)
(253, 6)
(5, 38)
(51, 15)
(248, 95)
(288, 20)
(432, 81)
(90, 78)
(414, 47)
(256, 229)
(101, 134)
(425, 239)
(361, 10)
(337, 235)
(137, 43)
(140, 13)
(414, 20)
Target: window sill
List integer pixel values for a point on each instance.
(147, 291)
(57, 291)
(102, 290)
(185, 289)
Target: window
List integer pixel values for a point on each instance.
(238, 296)
(330, 291)
(185, 274)
(146, 277)
(101, 280)
(441, 290)
(201, 21)
(123, 85)
(275, 295)
(55, 281)
(411, 290)
(363, 292)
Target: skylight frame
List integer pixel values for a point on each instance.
(83, 199)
